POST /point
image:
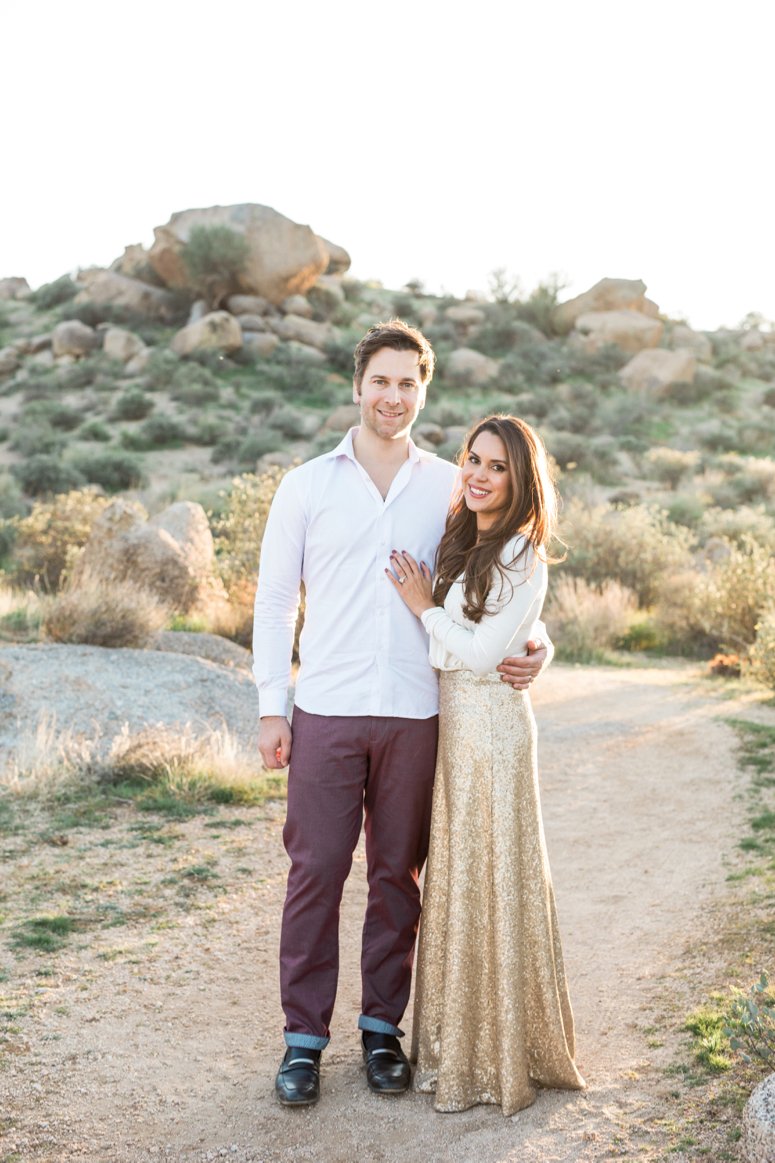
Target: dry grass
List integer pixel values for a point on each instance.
(99, 613)
(587, 621)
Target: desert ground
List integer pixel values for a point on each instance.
(158, 1037)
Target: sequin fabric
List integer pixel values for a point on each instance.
(492, 1018)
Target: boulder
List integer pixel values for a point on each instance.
(307, 354)
(110, 287)
(432, 433)
(199, 308)
(71, 337)
(338, 258)
(328, 292)
(465, 315)
(284, 258)
(656, 369)
(297, 305)
(172, 555)
(218, 331)
(296, 327)
(212, 647)
(252, 323)
(9, 361)
(14, 288)
(260, 344)
(121, 344)
(758, 1138)
(629, 330)
(607, 295)
(465, 365)
(138, 363)
(752, 340)
(38, 343)
(248, 305)
(343, 418)
(135, 264)
(686, 338)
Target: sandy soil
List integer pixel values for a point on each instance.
(159, 1038)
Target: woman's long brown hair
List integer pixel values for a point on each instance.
(531, 510)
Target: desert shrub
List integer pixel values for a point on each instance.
(194, 384)
(114, 469)
(735, 524)
(32, 437)
(94, 430)
(239, 528)
(256, 444)
(671, 465)
(290, 377)
(159, 431)
(736, 591)
(763, 650)
(54, 294)
(45, 473)
(11, 501)
(752, 478)
(97, 370)
(159, 372)
(636, 546)
(133, 404)
(678, 617)
(751, 1023)
(324, 302)
(538, 308)
(55, 413)
(586, 620)
(685, 508)
(214, 257)
(48, 539)
(288, 422)
(263, 403)
(208, 430)
(708, 384)
(117, 614)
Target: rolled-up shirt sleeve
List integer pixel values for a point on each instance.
(482, 647)
(277, 596)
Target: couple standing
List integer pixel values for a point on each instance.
(492, 1014)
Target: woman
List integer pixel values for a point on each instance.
(492, 1013)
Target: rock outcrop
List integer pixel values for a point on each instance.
(110, 287)
(465, 365)
(284, 258)
(216, 331)
(606, 295)
(628, 330)
(71, 337)
(657, 369)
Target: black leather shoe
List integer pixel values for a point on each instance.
(298, 1079)
(387, 1067)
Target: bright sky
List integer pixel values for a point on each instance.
(430, 139)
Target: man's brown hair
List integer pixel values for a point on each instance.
(401, 337)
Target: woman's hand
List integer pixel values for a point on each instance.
(413, 582)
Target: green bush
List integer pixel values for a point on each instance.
(214, 257)
(736, 591)
(586, 621)
(113, 469)
(159, 431)
(288, 422)
(54, 294)
(671, 465)
(194, 384)
(31, 439)
(763, 651)
(94, 430)
(45, 473)
(159, 372)
(636, 546)
(47, 540)
(133, 404)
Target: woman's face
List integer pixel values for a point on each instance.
(486, 479)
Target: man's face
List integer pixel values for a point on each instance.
(391, 393)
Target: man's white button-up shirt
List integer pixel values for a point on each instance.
(362, 650)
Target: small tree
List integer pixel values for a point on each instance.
(214, 257)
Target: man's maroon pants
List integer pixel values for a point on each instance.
(342, 769)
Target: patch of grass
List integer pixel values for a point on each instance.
(45, 933)
(711, 1044)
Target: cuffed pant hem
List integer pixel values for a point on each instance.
(305, 1041)
(377, 1026)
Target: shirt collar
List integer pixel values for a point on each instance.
(345, 448)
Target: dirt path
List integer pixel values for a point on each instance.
(159, 1038)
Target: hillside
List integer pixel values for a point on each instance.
(664, 437)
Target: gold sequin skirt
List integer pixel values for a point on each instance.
(492, 1017)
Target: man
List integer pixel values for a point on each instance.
(363, 744)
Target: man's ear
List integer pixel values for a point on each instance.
(356, 393)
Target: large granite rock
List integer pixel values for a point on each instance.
(9, 361)
(14, 288)
(110, 287)
(284, 258)
(296, 327)
(606, 295)
(628, 330)
(758, 1139)
(216, 331)
(657, 369)
(685, 338)
(71, 337)
(467, 366)
(121, 344)
(171, 555)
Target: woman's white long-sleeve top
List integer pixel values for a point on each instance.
(514, 606)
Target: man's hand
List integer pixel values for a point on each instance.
(274, 741)
(520, 672)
